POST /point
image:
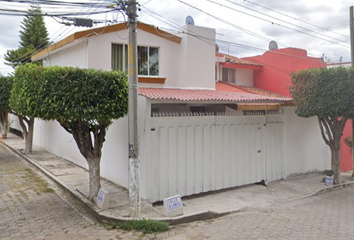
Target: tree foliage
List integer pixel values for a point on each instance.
(23, 99)
(5, 91)
(323, 92)
(83, 101)
(70, 94)
(327, 94)
(33, 36)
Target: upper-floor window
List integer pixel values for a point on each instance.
(148, 59)
(120, 57)
(228, 75)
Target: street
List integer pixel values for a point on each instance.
(32, 208)
(326, 216)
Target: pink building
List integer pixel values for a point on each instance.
(275, 76)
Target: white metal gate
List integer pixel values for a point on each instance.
(195, 154)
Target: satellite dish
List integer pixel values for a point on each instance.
(273, 45)
(189, 20)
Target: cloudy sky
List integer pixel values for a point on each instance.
(243, 27)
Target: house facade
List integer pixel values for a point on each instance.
(278, 65)
(199, 131)
(275, 77)
(346, 161)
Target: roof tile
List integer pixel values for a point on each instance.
(204, 95)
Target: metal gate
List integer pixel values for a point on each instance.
(195, 154)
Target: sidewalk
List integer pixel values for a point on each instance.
(74, 180)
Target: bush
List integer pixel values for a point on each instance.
(328, 172)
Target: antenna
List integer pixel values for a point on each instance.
(189, 20)
(273, 45)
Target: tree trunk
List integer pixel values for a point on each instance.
(3, 128)
(81, 132)
(29, 136)
(335, 163)
(94, 176)
(27, 131)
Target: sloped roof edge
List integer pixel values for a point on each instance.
(206, 95)
(102, 30)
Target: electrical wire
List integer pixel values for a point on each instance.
(228, 23)
(307, 29)
(297, 19)
(211, 42)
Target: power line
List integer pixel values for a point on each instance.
(210, 41)
(42, 46)
(294, 18)
(231, 24)
(307, 29)
(15, 12)
(278, 24)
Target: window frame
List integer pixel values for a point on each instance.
(125, 56)
(148, 60)
(125, 63)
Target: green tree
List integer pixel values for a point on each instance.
(83, 101)
(23, 99)
(5, 90)
(33, 36)
(327, 94)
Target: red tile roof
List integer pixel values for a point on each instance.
(227, 87)
(204, 95)
(233, 59)
(262, 92)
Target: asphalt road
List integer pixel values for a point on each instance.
(30, 209)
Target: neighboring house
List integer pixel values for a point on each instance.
(346, 161)
(197, 134)
(278, 64)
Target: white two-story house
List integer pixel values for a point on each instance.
(198, 131)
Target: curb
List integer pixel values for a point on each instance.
(95, 212)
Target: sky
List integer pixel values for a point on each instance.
(243, 27)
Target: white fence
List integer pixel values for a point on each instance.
(195, 154)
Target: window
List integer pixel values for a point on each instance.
(120, 57)
(228, 75)
(197, 109)
(148, 61)
(154, 110)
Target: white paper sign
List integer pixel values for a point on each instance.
(173, 206)
(102, 199)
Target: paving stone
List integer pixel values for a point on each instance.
(27, 213)
(326, 216)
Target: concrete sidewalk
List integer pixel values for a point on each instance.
(74, 180)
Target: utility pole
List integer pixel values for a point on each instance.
(351, 20)
(134, 161)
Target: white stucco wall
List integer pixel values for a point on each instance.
(50, 136)
(99, 52)
(197, 63)
(244, 77)
(305, 149)
(14, 123)
(74, 56)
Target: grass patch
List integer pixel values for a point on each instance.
(109, 226)
(41, 186)
(145, 226)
